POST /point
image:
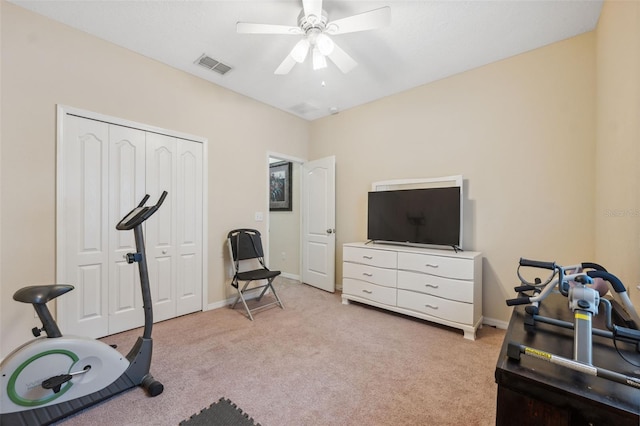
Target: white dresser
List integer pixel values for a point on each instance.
(436, 285)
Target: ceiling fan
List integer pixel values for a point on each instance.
(316, 29)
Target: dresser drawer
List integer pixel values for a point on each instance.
(435, 306)
(379, 258)
(442, 266)
(434, 285)
(369, 291)
(380, 276)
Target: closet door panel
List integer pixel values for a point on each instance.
(84, 235)
(161, 162)
(126, 189)
(189, 227)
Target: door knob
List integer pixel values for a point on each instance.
(331, 231)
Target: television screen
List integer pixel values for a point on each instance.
(420, 216)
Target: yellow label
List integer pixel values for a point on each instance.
(537, 353)
(582, 316)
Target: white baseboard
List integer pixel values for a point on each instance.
(229, 301)
(496, 323)
(221, 304)
(290, 276)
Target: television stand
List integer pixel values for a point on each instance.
(440, 286)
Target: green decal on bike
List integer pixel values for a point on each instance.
(11, 386)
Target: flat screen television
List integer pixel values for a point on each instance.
(429, 216)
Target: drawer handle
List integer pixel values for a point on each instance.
(431, 306)
(431, 265)
(367, 257)
(431, 285)
(367, 274)
(367, 291)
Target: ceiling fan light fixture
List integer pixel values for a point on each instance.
(319, 60)
(300, 50)
(316, 28)
(324, 44)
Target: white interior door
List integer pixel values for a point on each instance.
(318, 223)
(160, 228)
(82, 232)
(126, 189)
(189, 227)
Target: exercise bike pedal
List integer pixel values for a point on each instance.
(55, 383)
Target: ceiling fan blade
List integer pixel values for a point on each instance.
(312, 7)
(286, 66)
(342, 59)
(250, 28)
(370, 20)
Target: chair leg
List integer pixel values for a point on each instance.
(246, 307)
(264, 290)
(237, 287)
(244, 302)
(266, 287)
(237, 299)
(270, 285)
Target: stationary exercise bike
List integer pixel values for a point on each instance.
(584, 301)
(55, 376)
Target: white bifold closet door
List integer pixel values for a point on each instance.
(174, 240)
(126, 172)
(107, 169)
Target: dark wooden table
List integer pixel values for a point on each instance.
(535, 392)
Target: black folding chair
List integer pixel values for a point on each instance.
(245, 247)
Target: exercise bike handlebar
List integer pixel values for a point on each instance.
(538, 264)
(141, 213)
(554, 265)
(615, 282)
(161, 199)
(550, 284)
(144, 200)
(519, 301)
(539, 296)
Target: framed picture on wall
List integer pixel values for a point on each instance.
(280, 186)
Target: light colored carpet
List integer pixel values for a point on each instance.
(317, 362)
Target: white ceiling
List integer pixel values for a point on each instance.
(426, 41)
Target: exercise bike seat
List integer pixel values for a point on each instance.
(41, 294)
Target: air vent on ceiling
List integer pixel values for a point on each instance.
(212, 64)
(303, 108)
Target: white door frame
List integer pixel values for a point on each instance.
(61, 112)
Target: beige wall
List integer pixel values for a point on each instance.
(45, 63)
(521, 132)
(617, 168)
(284, 233)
